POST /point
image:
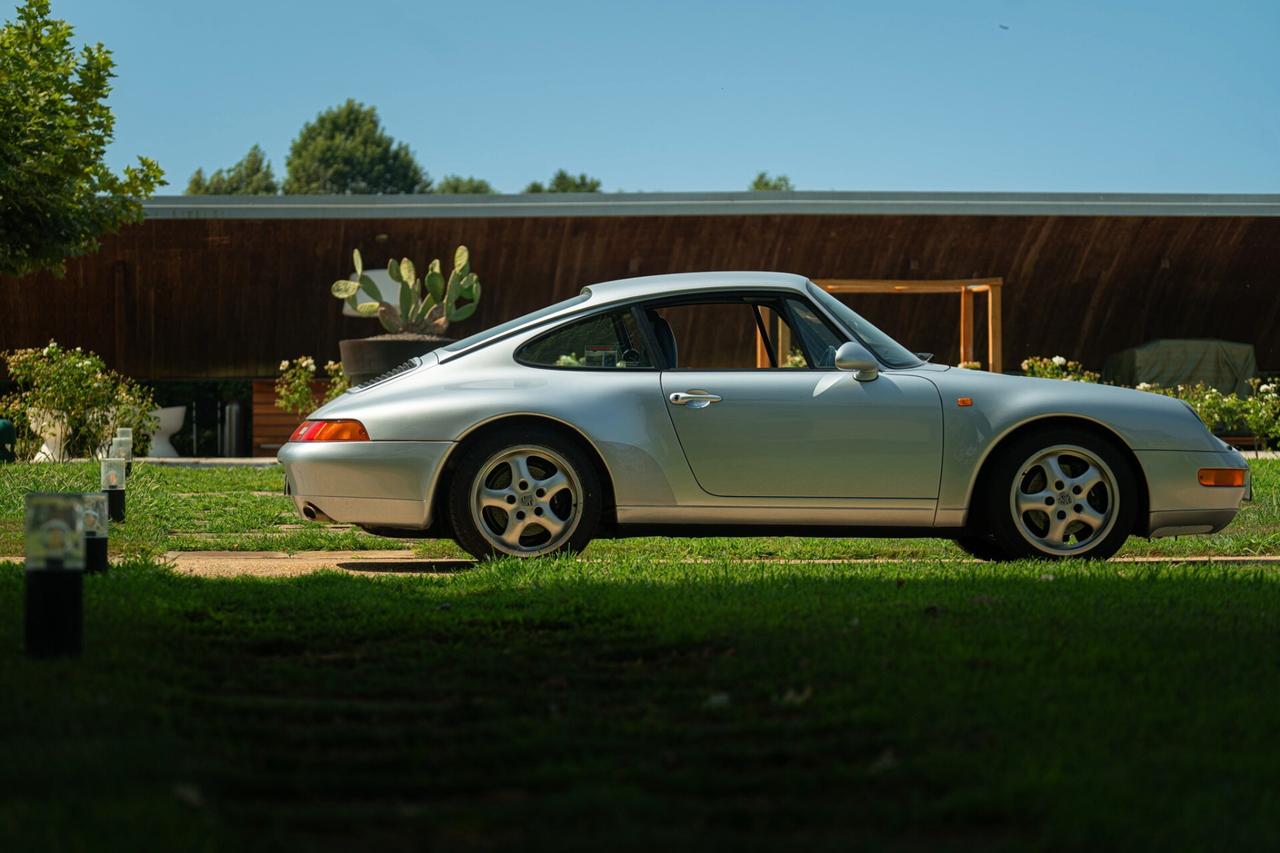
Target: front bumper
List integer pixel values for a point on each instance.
(372, 483)
(1179, 505)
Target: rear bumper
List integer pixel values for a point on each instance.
(374, 483)
(1179, 505)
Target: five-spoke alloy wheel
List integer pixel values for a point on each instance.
(1063, 500)
(1059, 492)
(524, 497)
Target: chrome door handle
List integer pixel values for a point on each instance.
(693, 399)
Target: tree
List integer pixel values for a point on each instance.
(57, 196)
(563, 182)
(345, 150)
(764, 182)
(251, 176)
(458, 185)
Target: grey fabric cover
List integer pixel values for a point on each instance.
(1225, 365)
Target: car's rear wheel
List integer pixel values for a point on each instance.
(1060, 493)
(526, 493)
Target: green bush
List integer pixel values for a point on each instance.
(294, 390)
(77, 389)
(1259, 413)
(1057, 367)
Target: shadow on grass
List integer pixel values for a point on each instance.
(408, 567)
(620, 704)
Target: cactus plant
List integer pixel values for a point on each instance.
(425, 305)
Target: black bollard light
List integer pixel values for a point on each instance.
(122, 448)
(113, 482)
(54, 601)
(95, 531)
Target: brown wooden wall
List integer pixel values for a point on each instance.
(190, 298)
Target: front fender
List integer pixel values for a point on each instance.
(1003, 404)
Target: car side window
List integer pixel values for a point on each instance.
(749, 332)
(605, 341)
(818, 337)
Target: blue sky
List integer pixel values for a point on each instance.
(1164, 96)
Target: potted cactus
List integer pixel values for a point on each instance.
(415, 321)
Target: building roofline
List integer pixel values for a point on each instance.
(707, 204)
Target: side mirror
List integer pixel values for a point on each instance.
(854, 356)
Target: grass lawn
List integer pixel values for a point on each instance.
(634, 699)
(244, 509)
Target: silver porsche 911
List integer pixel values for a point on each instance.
(630, 410)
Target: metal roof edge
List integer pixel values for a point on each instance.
(708, 204)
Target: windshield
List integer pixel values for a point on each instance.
(481, 337)
(885, 348)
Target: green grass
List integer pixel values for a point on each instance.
(244, 509)
(186, 509)
(629, 704)
(683, 694)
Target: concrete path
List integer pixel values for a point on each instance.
(278, 564)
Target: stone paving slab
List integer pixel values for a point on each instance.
(272, 564)
(278, 564)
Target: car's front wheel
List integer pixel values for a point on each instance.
(1061, 492)
(525, 493)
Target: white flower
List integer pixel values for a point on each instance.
(1060, 361)
(284, 365)
(1267, 389)
(1145, 386)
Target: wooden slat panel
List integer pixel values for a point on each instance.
(272, 426)
(231, 298)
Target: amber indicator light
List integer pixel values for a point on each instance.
(1222, 476)
(964, 402)
(342, 430)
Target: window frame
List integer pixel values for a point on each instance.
(777, 301)
(646, 335)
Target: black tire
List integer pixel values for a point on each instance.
(1031, 534)
(981, 548)
(482, 458)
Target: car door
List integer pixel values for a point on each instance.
(809, 431)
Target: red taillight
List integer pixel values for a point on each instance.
(340, 430)
(1222, 477)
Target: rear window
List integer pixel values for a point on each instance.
(610, 340)
(503, 328)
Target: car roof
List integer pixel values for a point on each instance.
(628, 290)
(642, 287)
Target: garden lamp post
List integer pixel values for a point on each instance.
(54, 577)
(113, 482)
(95, 531)
(122, 448)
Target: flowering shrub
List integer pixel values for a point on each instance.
(1057, 367)
(1222, 413)
(974, 365)
(1259, 413)
(1262, 410)
(75, 389)
(295, 391)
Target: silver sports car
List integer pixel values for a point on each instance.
(636, 408)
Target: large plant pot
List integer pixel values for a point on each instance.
(168, 421)
(368, 358)
(52, 428)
